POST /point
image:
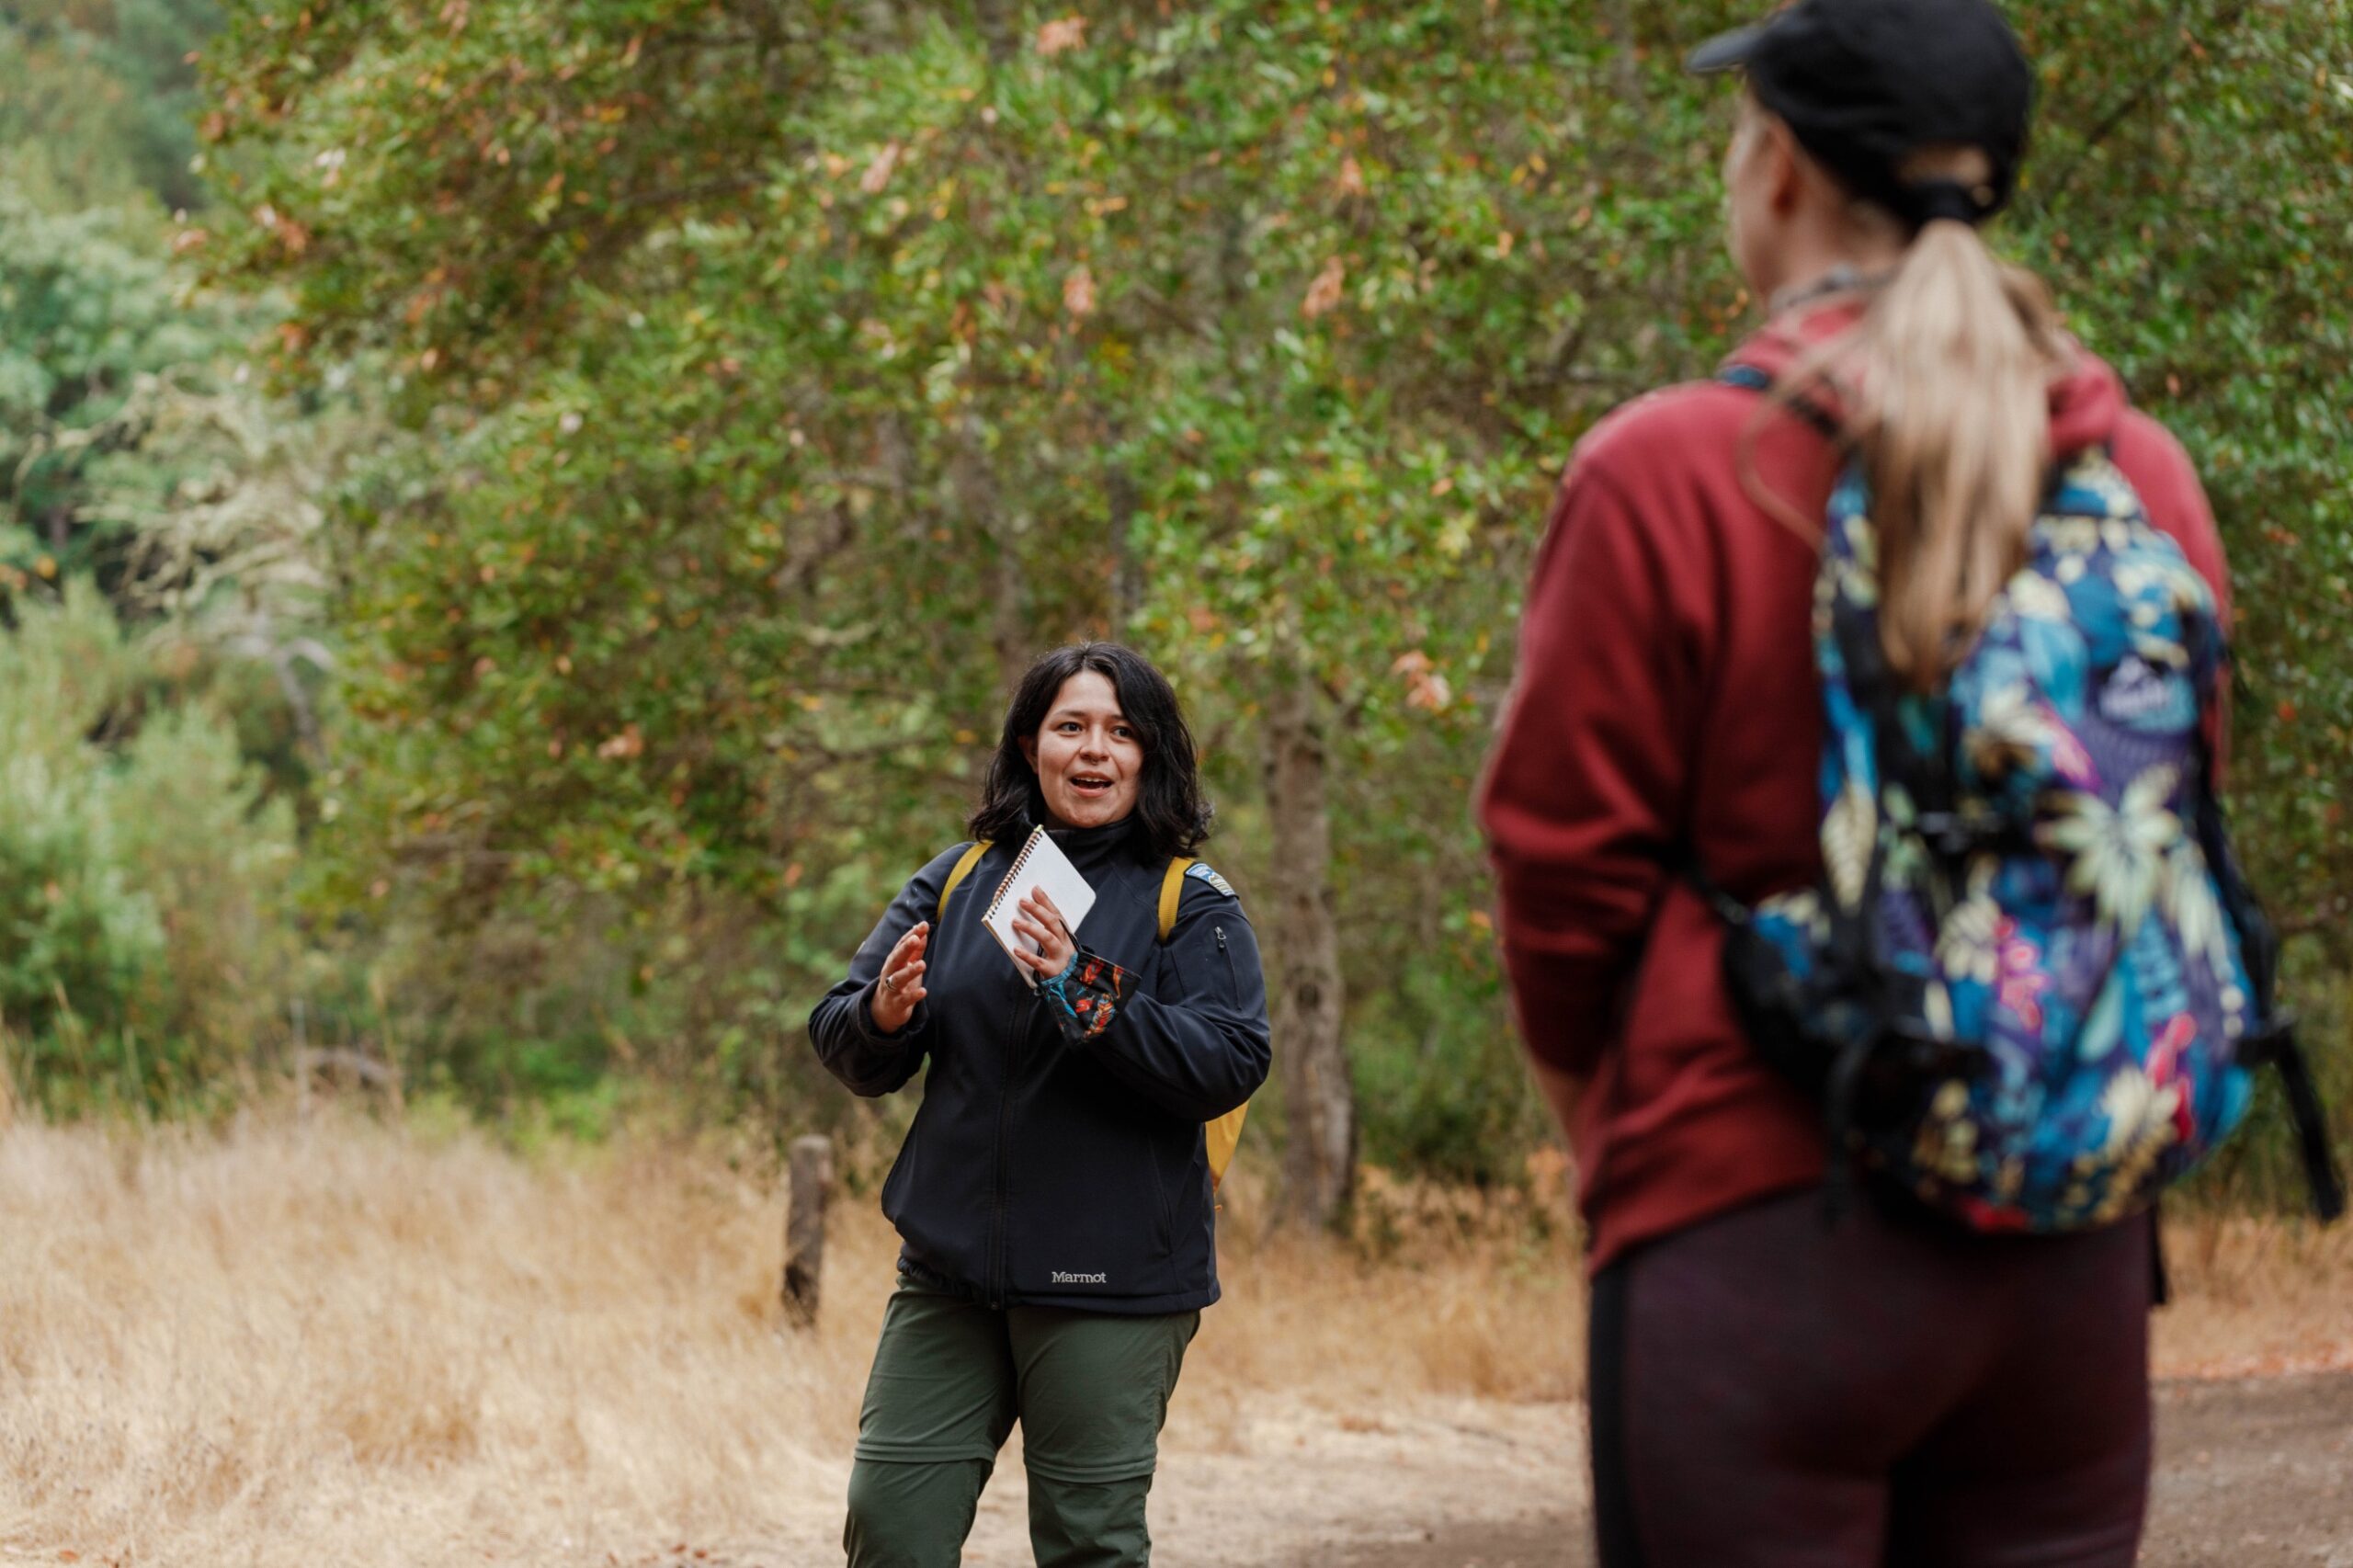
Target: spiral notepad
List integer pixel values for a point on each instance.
(1040, 864)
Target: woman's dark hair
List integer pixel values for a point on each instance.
(1170, 808)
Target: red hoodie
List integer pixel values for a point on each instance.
(1667, 692)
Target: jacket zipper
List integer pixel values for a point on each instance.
(1232, 985)
(999, 1244)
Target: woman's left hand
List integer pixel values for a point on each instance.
(1041, 922)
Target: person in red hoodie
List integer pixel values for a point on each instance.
(1767, 1389)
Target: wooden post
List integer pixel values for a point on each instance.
(804, 1225)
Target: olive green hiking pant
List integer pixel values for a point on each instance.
(950, 1380)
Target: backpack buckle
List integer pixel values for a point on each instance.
(1949, 834)
(2268, 1042)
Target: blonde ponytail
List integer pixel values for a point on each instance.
(1949, 412)
(1944, 390)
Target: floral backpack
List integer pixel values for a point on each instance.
(2032, 981)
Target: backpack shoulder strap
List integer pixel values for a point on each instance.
(1751, 377)
(1172, 893)
(1221, 1136)
(963, 868)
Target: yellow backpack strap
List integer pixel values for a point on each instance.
(964, 864)
(1222, 1137)
(1224, 1134)
(1172, 894)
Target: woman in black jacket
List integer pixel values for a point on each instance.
(1055, 1195)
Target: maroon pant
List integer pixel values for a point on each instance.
(1770, 1390)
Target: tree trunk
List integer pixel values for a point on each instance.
(1629, 68)
(1127, 572)
(1009, 624)
(1319, 1164)
(974, 485)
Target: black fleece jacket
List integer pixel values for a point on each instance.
(1057, 1159)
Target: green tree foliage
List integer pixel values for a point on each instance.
(217, 493)
(98, 100)
(780, 377)
(2196, 215)
(88, 313)
(161, 591)
(140, 449)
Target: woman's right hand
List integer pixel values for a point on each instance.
(901, 986)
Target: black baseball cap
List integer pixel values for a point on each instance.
(1863, 83)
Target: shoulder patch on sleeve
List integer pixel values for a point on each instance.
(1201, 870)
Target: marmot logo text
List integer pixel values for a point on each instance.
(1063, 1279)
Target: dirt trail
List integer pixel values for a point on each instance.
(2249, 1473)
(1280, 1482)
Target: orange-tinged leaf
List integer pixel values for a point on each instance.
(877, 173)
(1429, 692)
(1062, 35)
(1323, 293)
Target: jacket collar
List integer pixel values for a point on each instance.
(1090, 847)
(2087, 399)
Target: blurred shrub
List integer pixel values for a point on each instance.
(2260, 1167)
(1440, 1084)
(533, 1016)
(144, 923)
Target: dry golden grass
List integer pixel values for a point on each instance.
(329, 1342)
(332, 1341)
(1444, 1293)
(2253, 1297)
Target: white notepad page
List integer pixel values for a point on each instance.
(1040, 864)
